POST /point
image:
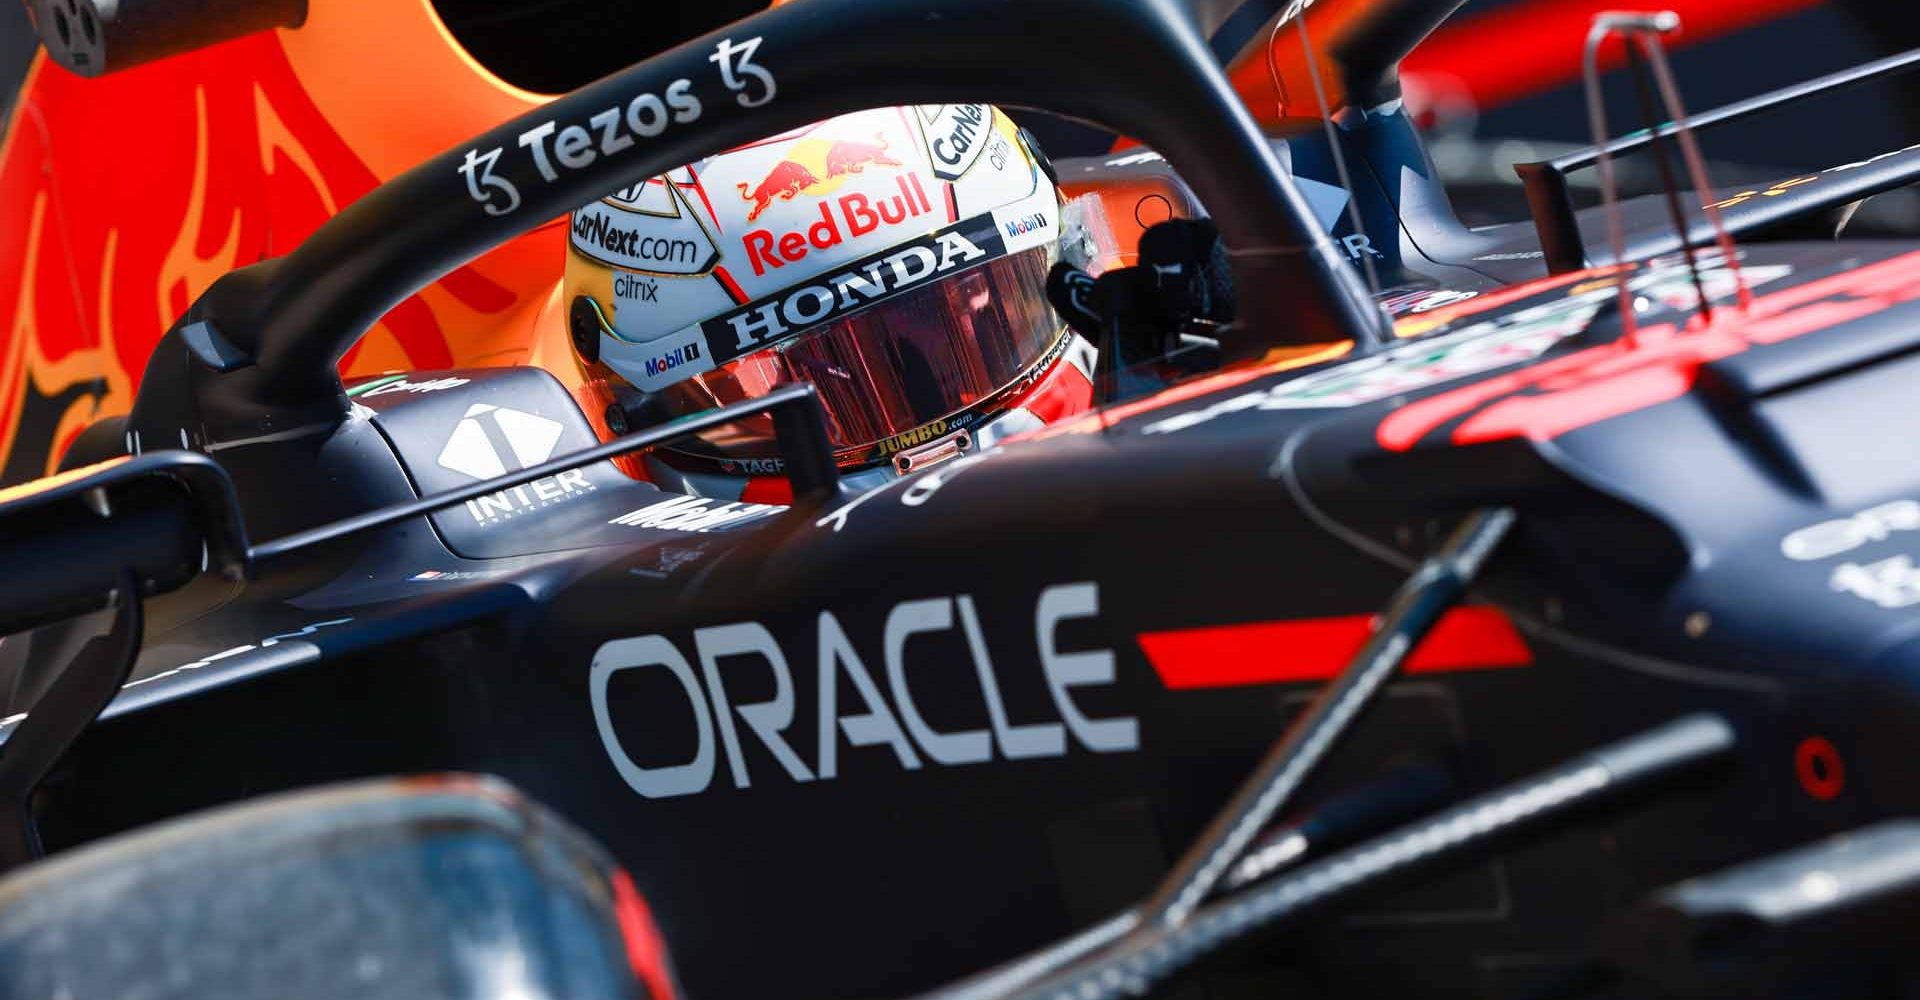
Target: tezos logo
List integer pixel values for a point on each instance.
(492, 440)
(612, 131)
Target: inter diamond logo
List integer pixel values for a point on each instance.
(1326, 201)
(493, 440)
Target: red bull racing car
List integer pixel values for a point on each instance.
(899, 563)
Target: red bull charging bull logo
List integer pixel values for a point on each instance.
(815, 164)
(819, 168)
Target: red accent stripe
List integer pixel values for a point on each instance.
(953, 205)
(1059, 394)
(733, 287)
(1313, 649)
(1551, 398)
(767, 489)
(913, 129)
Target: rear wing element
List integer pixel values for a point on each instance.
(1743, 211)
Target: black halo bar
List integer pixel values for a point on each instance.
(1139, 963)
(796, 420)
(1434, 587)
(1546, 181)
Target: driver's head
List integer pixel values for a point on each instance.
(896, 259)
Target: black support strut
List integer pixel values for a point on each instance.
(1434, 587)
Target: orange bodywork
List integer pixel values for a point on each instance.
(123, 197)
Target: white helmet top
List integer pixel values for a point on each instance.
(895, 258)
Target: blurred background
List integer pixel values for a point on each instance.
(1495, 84)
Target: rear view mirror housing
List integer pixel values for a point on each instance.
(165, 516)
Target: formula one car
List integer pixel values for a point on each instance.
(1514, 611)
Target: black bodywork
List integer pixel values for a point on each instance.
(866, 744)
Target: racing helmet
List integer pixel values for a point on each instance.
(894, 258)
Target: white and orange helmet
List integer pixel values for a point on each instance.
(896, 259)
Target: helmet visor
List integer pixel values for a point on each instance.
(898, 366)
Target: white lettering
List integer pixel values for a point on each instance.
(403, 385)
(1067, 670)
(1042, 739)
(822, 305)
(1891, 583)
(875, 720)
(647, 116)
(876, 726)
(1358, 244)
(1831, 538)
(903, 622)
(902, 276)
(922, 489)
(750, 331)
(535, 140)
(849, 285)
(611, 141)
(767, 719)
(957, 249)
(632, 654)
(685, 513)
(574, 148)
(686, 107)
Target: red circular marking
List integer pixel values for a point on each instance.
(1817, 762)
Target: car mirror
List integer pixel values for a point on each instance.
(164, 516)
